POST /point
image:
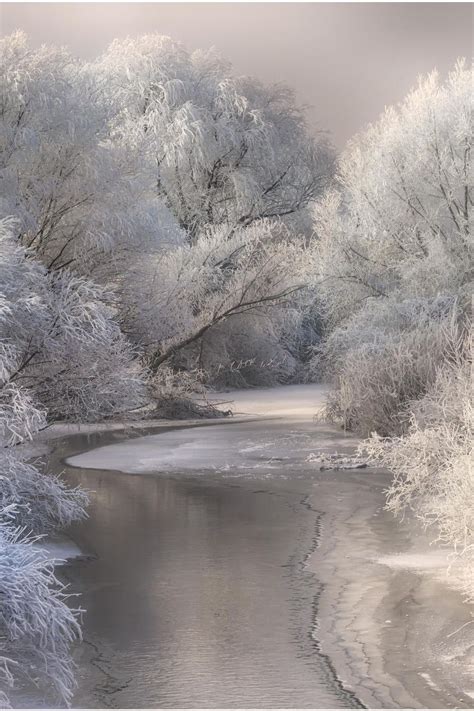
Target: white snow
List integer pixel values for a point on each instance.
(429, 681)
(336, 461)
(291, 401)
(436, 563)
(59, 548)
(427, 560)
(284, 435)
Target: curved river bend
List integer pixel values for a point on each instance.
(233, 588)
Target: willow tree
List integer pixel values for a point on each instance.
(401, 218)
(80, 202)
(221, 149)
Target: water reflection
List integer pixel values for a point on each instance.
(198, 596)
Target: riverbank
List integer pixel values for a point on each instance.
(359, 601)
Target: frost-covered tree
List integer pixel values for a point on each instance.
(395, 244)
(218, 148)
(75, 195)
(60, 342)
(146, 149)
(177, 298)
(402, 218)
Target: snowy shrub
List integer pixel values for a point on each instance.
(62, 354)
(383, 358)
(180, 395)
(433, 463)
(43, 503)
(20, 418)
(37, 627)
(92, 370)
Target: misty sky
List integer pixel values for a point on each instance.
(347, 61)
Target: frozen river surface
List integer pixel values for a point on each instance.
(220, 573)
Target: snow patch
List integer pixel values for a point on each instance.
(199, 448)
(336, 461)
(58, 548)
(429, 681)
(430, 560)
(289, 401)
(289, 432)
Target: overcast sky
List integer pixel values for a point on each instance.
(347, 61)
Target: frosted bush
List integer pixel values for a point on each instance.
(60, 348)
(37, 626)
(42, 502)
(384, 358)
(20, 417)
(180, 395)
(433, 463)
(93, 371)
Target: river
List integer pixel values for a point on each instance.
(253, 584)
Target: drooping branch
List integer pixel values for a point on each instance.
(242, 307)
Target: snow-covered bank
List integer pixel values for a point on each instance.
(288, 437)
(243, 448)
(290, 401)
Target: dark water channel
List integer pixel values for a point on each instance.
(198, 594)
